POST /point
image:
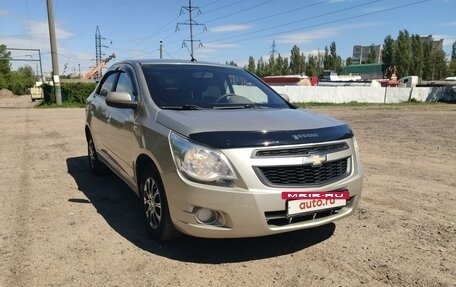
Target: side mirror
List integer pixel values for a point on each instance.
(121, 100)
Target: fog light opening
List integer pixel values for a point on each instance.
(207, 216)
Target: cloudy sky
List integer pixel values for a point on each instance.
(228, 30)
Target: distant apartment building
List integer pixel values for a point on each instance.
(435, 44)
(361, 54)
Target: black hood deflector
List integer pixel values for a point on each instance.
(241, 139)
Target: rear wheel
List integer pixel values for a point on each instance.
(155, 206)
(96, 166)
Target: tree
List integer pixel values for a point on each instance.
(435, 65)
(297, 61)
(335, 61)
(389, 48)
(417, 61)
(232, 63)
(261, 68)
(326, 60)
(279, 65)
(312, 66)
(428, 56)
(21, 80)
(5, 66)
(452, 65)
(403, 55)
(349, 61)
(439, 70)
(251, 66)
(285, 67)
(372, 57)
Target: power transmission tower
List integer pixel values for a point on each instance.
(98, 53)
(191, 23)
(97, 50)
(273, 49)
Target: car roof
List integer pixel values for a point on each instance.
(171, 62)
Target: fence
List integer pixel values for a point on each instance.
(301, 94)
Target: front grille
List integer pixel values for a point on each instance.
(303, 151)
(303, 175)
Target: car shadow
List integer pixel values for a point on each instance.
(120, 207)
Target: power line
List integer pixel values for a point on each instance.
(222, 7)
(285, 12)
(239, 11)
(301, 20)
(211, 3)
(323, 23)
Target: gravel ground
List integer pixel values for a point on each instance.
(60, 226)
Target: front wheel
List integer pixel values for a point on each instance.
(155, 206)
(96, 166)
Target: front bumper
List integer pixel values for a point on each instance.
(247, 212)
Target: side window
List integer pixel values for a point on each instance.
(108, 84)
(125, 85)
(243, 87)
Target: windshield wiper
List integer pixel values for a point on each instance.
(239, 106)
(183, 107)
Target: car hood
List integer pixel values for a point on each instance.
(253, 127)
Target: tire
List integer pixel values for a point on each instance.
(155, 206)
(95, 165)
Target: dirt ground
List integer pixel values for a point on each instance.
(61, 226)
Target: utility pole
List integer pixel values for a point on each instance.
(161, 49)
(191, 23)
(55, 61)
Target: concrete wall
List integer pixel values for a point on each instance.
(300, 94)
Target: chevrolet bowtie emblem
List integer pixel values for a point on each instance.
(315, 160)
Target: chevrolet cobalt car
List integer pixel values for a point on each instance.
(212, 151)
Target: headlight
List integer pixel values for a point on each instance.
(199, 162)
(355, 145)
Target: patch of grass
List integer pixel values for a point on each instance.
(357, 104)
(322, 104)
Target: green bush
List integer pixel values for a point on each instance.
(18, 81)
(73, 93)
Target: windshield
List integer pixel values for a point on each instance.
(194, 86)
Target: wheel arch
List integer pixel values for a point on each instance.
(88, 133)
(142, 161)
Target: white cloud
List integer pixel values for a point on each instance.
(309, 36)
(447, 39)
(36, 36)
(448, 24)
(3, 12)
(314, 52)
(213, 47)
(229, 28)
(40, 30)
